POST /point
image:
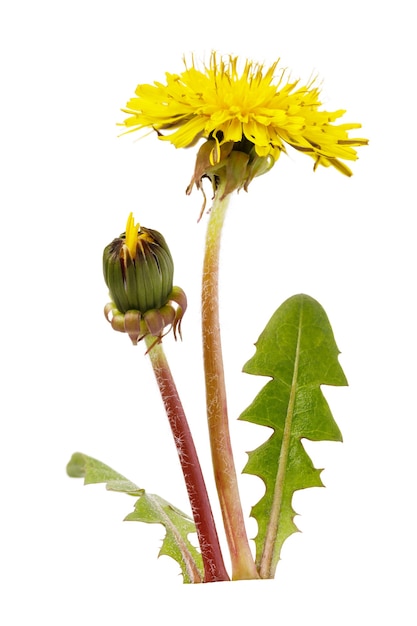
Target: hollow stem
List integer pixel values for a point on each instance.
(214, 568)
(243, 566)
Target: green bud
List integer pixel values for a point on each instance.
(138, 270)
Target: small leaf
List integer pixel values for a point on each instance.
(150, 509)
(298, 351)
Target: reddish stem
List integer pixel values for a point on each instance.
(214, 568)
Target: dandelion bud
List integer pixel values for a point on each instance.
(138, 270)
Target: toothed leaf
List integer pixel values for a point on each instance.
(149, 508)
(155, 510)
(298, 351)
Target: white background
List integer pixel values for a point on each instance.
(70, 383)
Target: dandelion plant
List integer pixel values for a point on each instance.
(243, 117)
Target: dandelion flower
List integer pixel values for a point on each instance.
(255, 108)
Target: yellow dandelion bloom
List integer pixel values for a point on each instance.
(226, 105)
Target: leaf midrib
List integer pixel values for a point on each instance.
(268, 561)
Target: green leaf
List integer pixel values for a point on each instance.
(298, 351)
(149, 508)
(93, 472)
(155, 510)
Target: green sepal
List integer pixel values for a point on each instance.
(298, 351)
(149, 508)
(144, 279)
(166, 274)
(115, 281)
(133, 293)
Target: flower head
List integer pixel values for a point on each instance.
(253, 107)
(138, 270)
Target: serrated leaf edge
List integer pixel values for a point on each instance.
(78, 467)
(188, 560)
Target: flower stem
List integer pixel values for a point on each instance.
(214, 568)
(243, 565)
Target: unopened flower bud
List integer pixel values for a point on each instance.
(138, 270)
